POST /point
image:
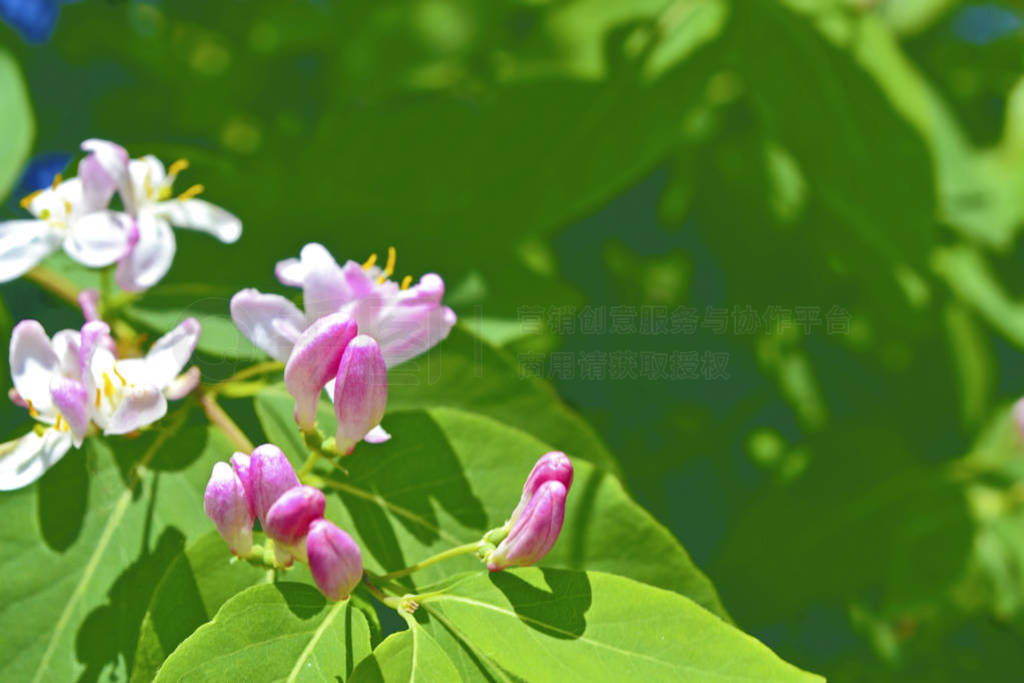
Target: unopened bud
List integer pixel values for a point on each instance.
(226, 505)
(360, 392)
(314, 362)
(552, 466)
(288, 519)
(270, 475)
(536, 530)
(334, 559)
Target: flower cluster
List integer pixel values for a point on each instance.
(75, 214)
(74, 384)
(264, 486)
(357, 323)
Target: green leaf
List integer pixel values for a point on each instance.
(195, 585)
(84, 544)
(448, 475)
(547, 624)
(882, 194)
(219, 335)
(17, 126)
(284, 631)
(469, 374)
(407, 656)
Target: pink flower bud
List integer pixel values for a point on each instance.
(89, 300)
(240, 463)
(334, 559)
(288, 519)
(226, 505)
(1018, 416)
(553, 466)
(360, 392)
(314, 362)
(536, 530)
(270, 475)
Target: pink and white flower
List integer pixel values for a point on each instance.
(353, 307)
(147, 194)
(73, 384)
(72, 214)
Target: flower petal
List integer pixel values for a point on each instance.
(100, 238)
(33, 363)
(326, 286)
(269, 321)
(23, 244)
(183, 385)
(377, 435)
(360, 391)
(314, 362)
(290, 272)
(31, 457)
(102, 171)
(197, 214)
(169, 354)
(150, 258)
(94, 335)
(141, 405)
(72, 402)
(145, 178)
(67, 344)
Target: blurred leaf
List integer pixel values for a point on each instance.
(219, 336)
(598, 627)
(862, 521)
(17, 126)
(273, 632)
(882, 193)
(84, 550)
(449, 475)
(966, 273)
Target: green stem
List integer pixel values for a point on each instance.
(251, 371)
(223, 422)
(307, 467)
(388, 600)
(58, 285)
(440, 557)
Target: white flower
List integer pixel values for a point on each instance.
(71, 214)
(74, 380)
(46, 377)
(148, 196)
(125, 395)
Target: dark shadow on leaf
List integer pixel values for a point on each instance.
(303, 600)
(110, 632)
(181, 450)
(558, 613)
(63, 498)
(585, 493)
(415, 475)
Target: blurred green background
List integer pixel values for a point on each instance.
(822, 199)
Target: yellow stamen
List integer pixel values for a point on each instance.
(147, 184)
(108, 386)
(389, 267)
(45, 214)
(31, 408)
(370, 262)
(177, 167)
(67, 207)
(57, 180)
(60, 425)
(27, 199)
(97, 398)
(191, 192)
(119, 376)
(406, 281)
